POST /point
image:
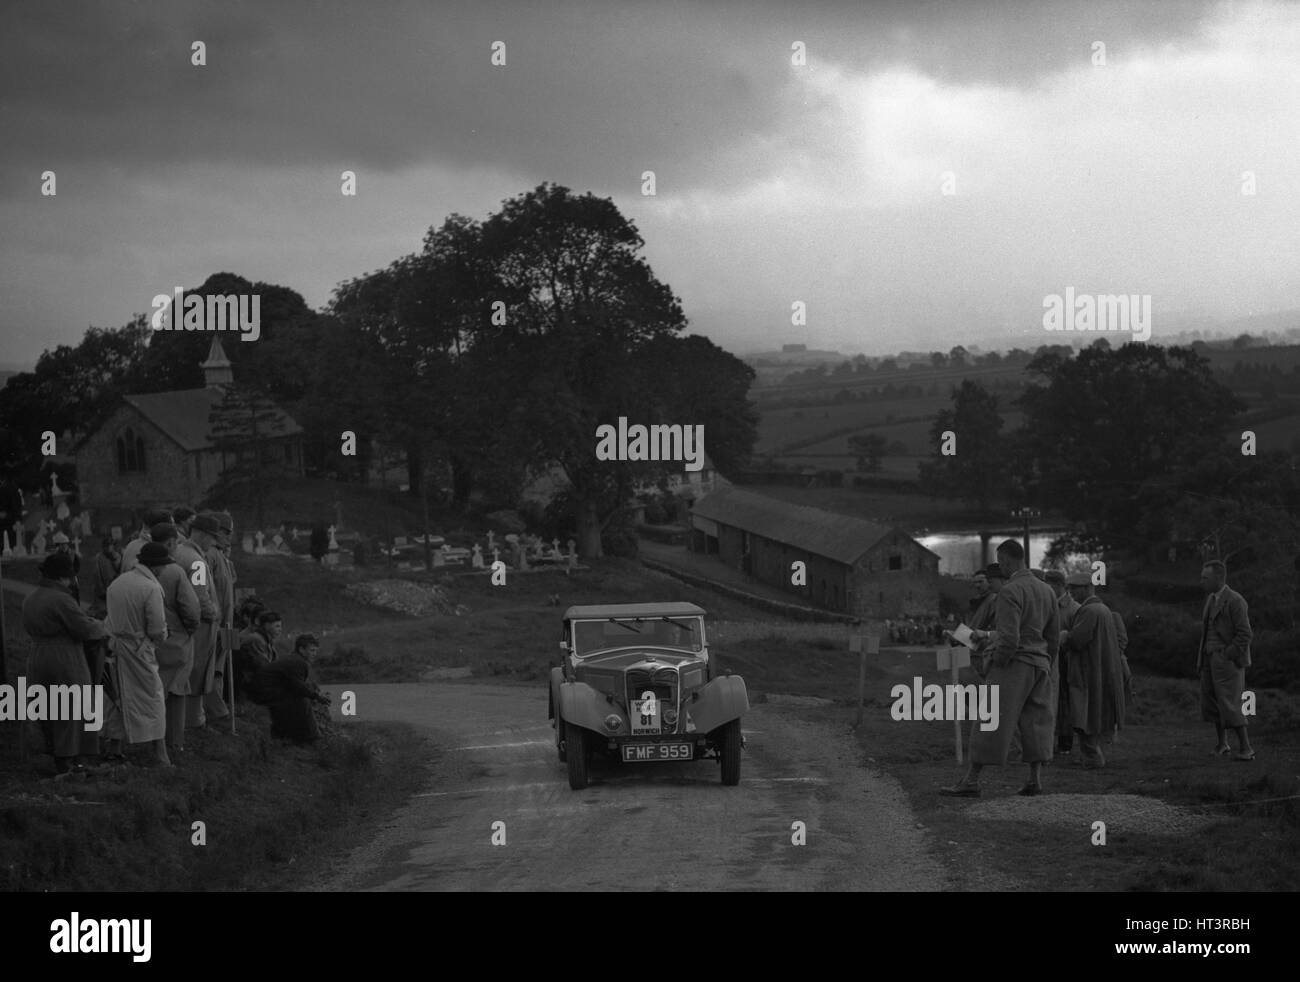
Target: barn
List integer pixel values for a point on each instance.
(851, 565)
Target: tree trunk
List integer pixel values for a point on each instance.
(414, 468)
(462, 483)
(589, 526)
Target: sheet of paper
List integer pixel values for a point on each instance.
(962, 636)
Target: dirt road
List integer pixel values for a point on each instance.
(659, 826)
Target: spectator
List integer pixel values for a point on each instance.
(108, 566)
(256, 648)
(58, 628)
(283, 686)
(154, 516)
(137, 620)
(176, 654)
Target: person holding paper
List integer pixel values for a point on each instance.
(1025, 645)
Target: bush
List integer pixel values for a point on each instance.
(655, 515)
(619, 543)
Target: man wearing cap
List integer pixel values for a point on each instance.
(203, 539)
(183, 518)
(108, 566)
(1096, 675)
(176, 654)
(1067, 606)
(137, 621)
(58, 628)
(154, 516)
(256, 648)
(283, 686)
(1024, 646)
(63, 545)
(214, 703)
(1222, 659)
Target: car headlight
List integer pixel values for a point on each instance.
(670, 716)
(612, 723)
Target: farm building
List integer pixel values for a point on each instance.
(852, 566)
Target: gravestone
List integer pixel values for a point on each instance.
(76, 546)
(477, 559)
(277, 542)
(496, 555)
(573, 554)
(555, 549)
(297, 533)
(19, 549)
(38, 543)
(55, 490)
(261, 537)
(438, 558)
(248, 542)
(334, 543)
(62, 511)
(399, 542)
(7, 549)
(86, 530)
(492, 541)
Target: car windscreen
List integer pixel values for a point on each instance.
(624, 632)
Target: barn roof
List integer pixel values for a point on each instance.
(183, 416)
(822, 533)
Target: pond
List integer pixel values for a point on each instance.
(959, 552)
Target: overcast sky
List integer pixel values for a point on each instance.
(821, 183)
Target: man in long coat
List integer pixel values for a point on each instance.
(1096, 674)
(203, 544)
(137, 621)
(1222, 659)
(176, 654)
(214, 702)
(1067, 607)
(58, 628)
(283, 686)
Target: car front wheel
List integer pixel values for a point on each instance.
(729, 752)
(575, 749)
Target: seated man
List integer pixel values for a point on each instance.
(256, 648)
(283, 687)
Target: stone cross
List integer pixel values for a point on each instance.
(76, 546)
(496, 555)
(261, 548)
(555, 548)
(277, 540)
(334, 543)
(492, 540)
(477, 559)
(55, 490)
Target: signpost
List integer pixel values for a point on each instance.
(872, 647)
(955, 659)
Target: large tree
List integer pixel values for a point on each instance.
(582, 309)
(977, 469)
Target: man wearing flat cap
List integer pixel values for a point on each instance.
(285, 688)
(176, 654)
(58, 628)
(64, 545)
(1096, 672)
(1222, 659)
(137, 622)
(1067, 606)
(1024, 646)
(204, 535)
(154, 516)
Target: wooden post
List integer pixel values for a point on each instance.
(955, 659)
(856, 645)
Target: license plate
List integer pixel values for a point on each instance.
(658, 751)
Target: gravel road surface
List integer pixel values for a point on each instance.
(652, 826)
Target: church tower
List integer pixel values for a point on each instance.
(217, 370)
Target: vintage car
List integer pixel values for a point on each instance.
(636, 683)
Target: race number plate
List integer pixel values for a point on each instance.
(658, 751)
(645, 717)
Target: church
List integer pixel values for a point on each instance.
(158, 449)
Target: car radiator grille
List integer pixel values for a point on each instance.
(662, 682)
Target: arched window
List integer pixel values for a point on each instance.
(130, 451)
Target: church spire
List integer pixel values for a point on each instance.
(217, 370)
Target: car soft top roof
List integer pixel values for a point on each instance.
(673, 609)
